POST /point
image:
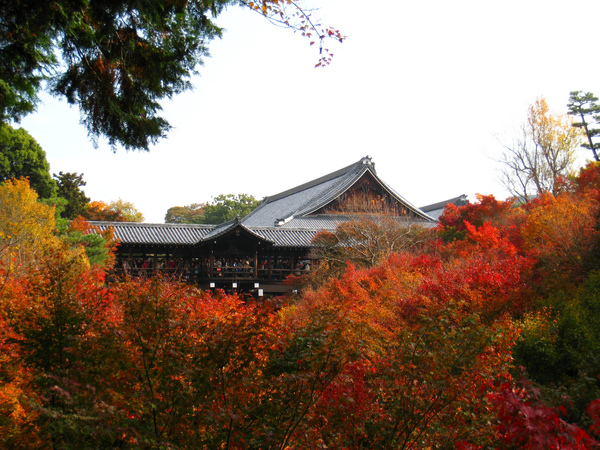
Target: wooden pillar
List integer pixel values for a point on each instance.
(129, 263)
(255, 263)
(270, 267)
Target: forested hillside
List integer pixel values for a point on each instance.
(484, 334)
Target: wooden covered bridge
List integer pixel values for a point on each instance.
(257, 252)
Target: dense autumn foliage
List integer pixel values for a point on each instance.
(484, 336)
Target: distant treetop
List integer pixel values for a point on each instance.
(193, 213)
(223, 207)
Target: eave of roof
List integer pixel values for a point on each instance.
(156, 233)
(133, 233)
(316, 222)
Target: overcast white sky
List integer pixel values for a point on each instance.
(426, 88)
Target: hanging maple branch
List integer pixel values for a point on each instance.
(289, 14)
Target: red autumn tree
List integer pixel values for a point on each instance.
(504, 215)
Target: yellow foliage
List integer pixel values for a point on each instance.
(544, 154)
(26, 226)
(555, 135)
(560, 222)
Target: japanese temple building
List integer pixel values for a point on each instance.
(257, 252)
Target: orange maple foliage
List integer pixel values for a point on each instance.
(561, 233)
(414, 352)
(98, 210)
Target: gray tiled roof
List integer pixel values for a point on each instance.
(316, 222)
(218, 230)
(156, 233)
(435, 210)
(231, 225)
(310, 197)
(277, 208)
(286, 237)
(185, 234)
(285, 219)
(330, 222)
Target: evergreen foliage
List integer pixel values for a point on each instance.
(69, 188)
(117, 59)
(585, 108)
(21, 156)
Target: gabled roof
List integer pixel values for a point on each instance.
(289, 219)
(308, 198)
(231, 226)
(435, 210)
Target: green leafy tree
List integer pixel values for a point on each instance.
(98, 245)
(584, 106)
(126, 210)
(193, 213)
(21, 156)
(559, 347)
(69, 188)
(225, 207)
(118, 59)
(27, 37)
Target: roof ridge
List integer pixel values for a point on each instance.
(310, 205)
(415, 210)
(281, 229)
(330, 176)
(152, 224)
(229, 225)
(461, 198)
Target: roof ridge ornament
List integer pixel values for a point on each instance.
(367, 161)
